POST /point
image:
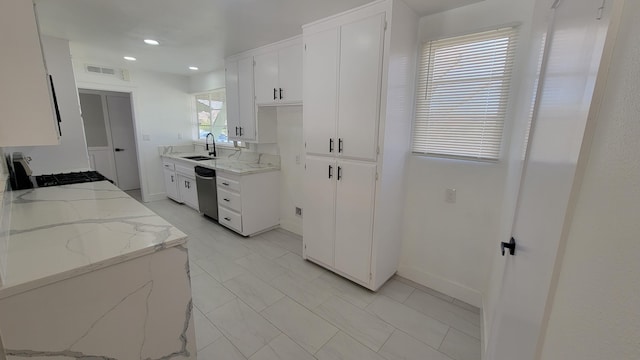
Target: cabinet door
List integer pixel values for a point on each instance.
(319, 209)
(188, 191)
(171, 184)
(28, 117)
(266, 78)
(290, 74)
(247, 109)
(320, 91)
(233, 102)
(361, 45)
(354, 218)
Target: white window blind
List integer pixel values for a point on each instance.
(463, 92)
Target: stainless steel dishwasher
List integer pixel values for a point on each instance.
(207, 191)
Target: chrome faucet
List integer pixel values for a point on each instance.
(213, 143)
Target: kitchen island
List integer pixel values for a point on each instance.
(89, 273)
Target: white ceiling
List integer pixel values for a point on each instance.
(191, 32)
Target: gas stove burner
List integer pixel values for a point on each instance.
(69, 178)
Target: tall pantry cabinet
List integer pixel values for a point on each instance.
(358, 89)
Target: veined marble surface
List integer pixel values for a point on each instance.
(242, 164)
(62, 231)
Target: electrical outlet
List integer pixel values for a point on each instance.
(297, 159)
(450, 196)
(299, 211)
(146, 137)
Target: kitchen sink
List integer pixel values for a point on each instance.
(198, 158)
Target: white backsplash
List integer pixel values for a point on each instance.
(249, 154)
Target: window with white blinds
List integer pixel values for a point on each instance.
(463, 92)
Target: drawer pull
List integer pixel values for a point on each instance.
(225, 184)
(227, 200)
(228, 219)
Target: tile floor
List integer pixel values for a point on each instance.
(256, 299)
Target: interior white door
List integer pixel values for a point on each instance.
(246, 101)
(319, 207)
(354, 218)
(319, 93)
(233, 103)
(266, 78)
(575, 48)
(290, 74)
(124, 141)
(361, 45)
(97, 133)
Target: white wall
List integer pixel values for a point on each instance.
(162, 110)
(450, 247)
(595, 312)
(71, 154)
(208, 81)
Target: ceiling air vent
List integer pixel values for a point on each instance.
(121, 74)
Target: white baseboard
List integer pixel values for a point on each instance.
(293, 225)
(154, 197)
(453, 289)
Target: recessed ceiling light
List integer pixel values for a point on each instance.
(130, 58)
(151, 42)
(193, 68)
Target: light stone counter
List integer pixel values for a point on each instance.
(62, 231)
(90, 273)
(235, 166)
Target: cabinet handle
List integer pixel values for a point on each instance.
(227, 200)
(236, 131)
(228, 219)
(55, 104)
(225, 184)
(275, 94)
(280, 93)
(171, 178)
(339, 172)
(330, 171)
(339, 145)
(241, 133)
(330, 145)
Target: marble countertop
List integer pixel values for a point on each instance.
(63, 231)
(225, 164)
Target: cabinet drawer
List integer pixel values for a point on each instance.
(169, 165)
(187, 171)
(230, 218)
(229, 199)
(225, 182)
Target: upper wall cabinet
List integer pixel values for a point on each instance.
(278, 76)
(28, 109)
(241, 112)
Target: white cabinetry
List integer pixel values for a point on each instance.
(249, 204)
(241, 113)
(353, 184)
(27, 106)
(180, 182)
(171, 181)
(278, 76)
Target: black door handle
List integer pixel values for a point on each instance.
(275, 94)
(227, 200)
(236, 131)
(240, 130)
(330, 145)
(171, 178)
(339, 145)
(330, 171)
(511, 245)
(339, 172)
(280, 93)
(118, 149)
(228, 219)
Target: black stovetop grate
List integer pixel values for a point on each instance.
(69, 178)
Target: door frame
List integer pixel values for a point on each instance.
(89, 86)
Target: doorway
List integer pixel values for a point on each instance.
(110, 135)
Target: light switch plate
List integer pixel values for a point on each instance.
(450, 196)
